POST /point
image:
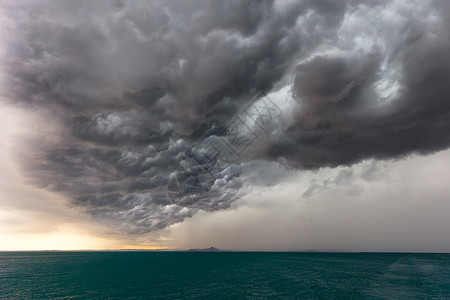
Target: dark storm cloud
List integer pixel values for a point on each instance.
(142, 89)
(340, 120)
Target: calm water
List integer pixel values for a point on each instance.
(223, 275)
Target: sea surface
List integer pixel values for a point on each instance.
(223, 275)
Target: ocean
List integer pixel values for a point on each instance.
(223, 275)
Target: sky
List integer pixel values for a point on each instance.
(243, 125)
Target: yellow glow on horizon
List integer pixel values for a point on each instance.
(54, 241)
(32, 218)
(62, 240)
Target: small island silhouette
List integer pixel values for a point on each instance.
(205, 249)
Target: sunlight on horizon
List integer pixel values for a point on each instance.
(54, 241)
(32, 218)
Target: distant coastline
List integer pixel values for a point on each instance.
(205, 249)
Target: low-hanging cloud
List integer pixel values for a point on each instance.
(141, 90)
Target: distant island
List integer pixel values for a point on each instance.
(205, 249)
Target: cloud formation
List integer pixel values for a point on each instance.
(143, 92)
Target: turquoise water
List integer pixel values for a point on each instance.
(223, 275)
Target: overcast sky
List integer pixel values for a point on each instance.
(253, 125)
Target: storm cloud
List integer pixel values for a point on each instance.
(148, 97)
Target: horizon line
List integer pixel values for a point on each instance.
(230, 250)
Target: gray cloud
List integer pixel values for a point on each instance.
(341, 118)
(141, 89)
